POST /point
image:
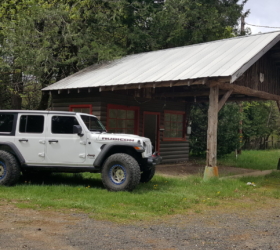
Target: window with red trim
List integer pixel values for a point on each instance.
(85, 108)
(122, 119)
(174, 125)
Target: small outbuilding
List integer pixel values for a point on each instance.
(150, 94)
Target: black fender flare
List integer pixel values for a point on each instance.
(107, 147)
(14, 150)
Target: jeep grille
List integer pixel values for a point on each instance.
(148, 148)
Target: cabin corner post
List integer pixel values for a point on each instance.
(211, 170)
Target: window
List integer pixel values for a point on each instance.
(63, 124)
(6, 123)
(31, 124)
(92, 123)
(86, 108)
(122, 119)
(174, 125)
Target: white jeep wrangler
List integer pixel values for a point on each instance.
(54, 141)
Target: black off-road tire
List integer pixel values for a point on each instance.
(120, 172)
(9, 169)
(147, 175)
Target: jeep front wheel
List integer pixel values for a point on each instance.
(9, 169)
(147, 175)
(120, 172)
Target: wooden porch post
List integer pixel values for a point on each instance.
(211, 169)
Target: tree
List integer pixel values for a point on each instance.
(228, 134)
(154, 26)
(45, 41)
(260, 120)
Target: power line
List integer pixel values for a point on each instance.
(263, 26)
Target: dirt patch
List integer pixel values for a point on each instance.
(193, 168)
(254, 227)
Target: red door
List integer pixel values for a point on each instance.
(151, 128)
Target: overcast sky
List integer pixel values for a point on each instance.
(263, 13)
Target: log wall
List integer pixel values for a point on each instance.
(266, 66)
(171, 151)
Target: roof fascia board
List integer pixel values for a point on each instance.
(247, 65)
(171, 83)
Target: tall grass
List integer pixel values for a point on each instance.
(252, 159)
(161, 197)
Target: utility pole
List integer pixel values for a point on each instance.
(242, 33)
(240, 132)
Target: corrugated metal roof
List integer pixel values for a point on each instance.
(223, 58)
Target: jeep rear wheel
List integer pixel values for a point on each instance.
(9, 169)
(120, 172)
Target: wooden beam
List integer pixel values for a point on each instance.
(246, 91)
(224, 99)
(211, 157)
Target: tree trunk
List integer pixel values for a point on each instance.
(46, 80)
(16, 100)
(44, 103)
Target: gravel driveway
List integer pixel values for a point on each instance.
(219, 228)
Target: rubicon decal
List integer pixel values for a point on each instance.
(116, 139)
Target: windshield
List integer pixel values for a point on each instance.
(93, 124)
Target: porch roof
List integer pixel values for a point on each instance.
(223, 58)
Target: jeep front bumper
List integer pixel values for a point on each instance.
(154, 159)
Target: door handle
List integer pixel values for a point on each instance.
(50, 141)
(21, 140)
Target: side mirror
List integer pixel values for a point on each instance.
(77, 129)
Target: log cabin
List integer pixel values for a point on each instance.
(150, 94)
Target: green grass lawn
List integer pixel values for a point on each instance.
(252, 159)
(163, 196)
(160, 198)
